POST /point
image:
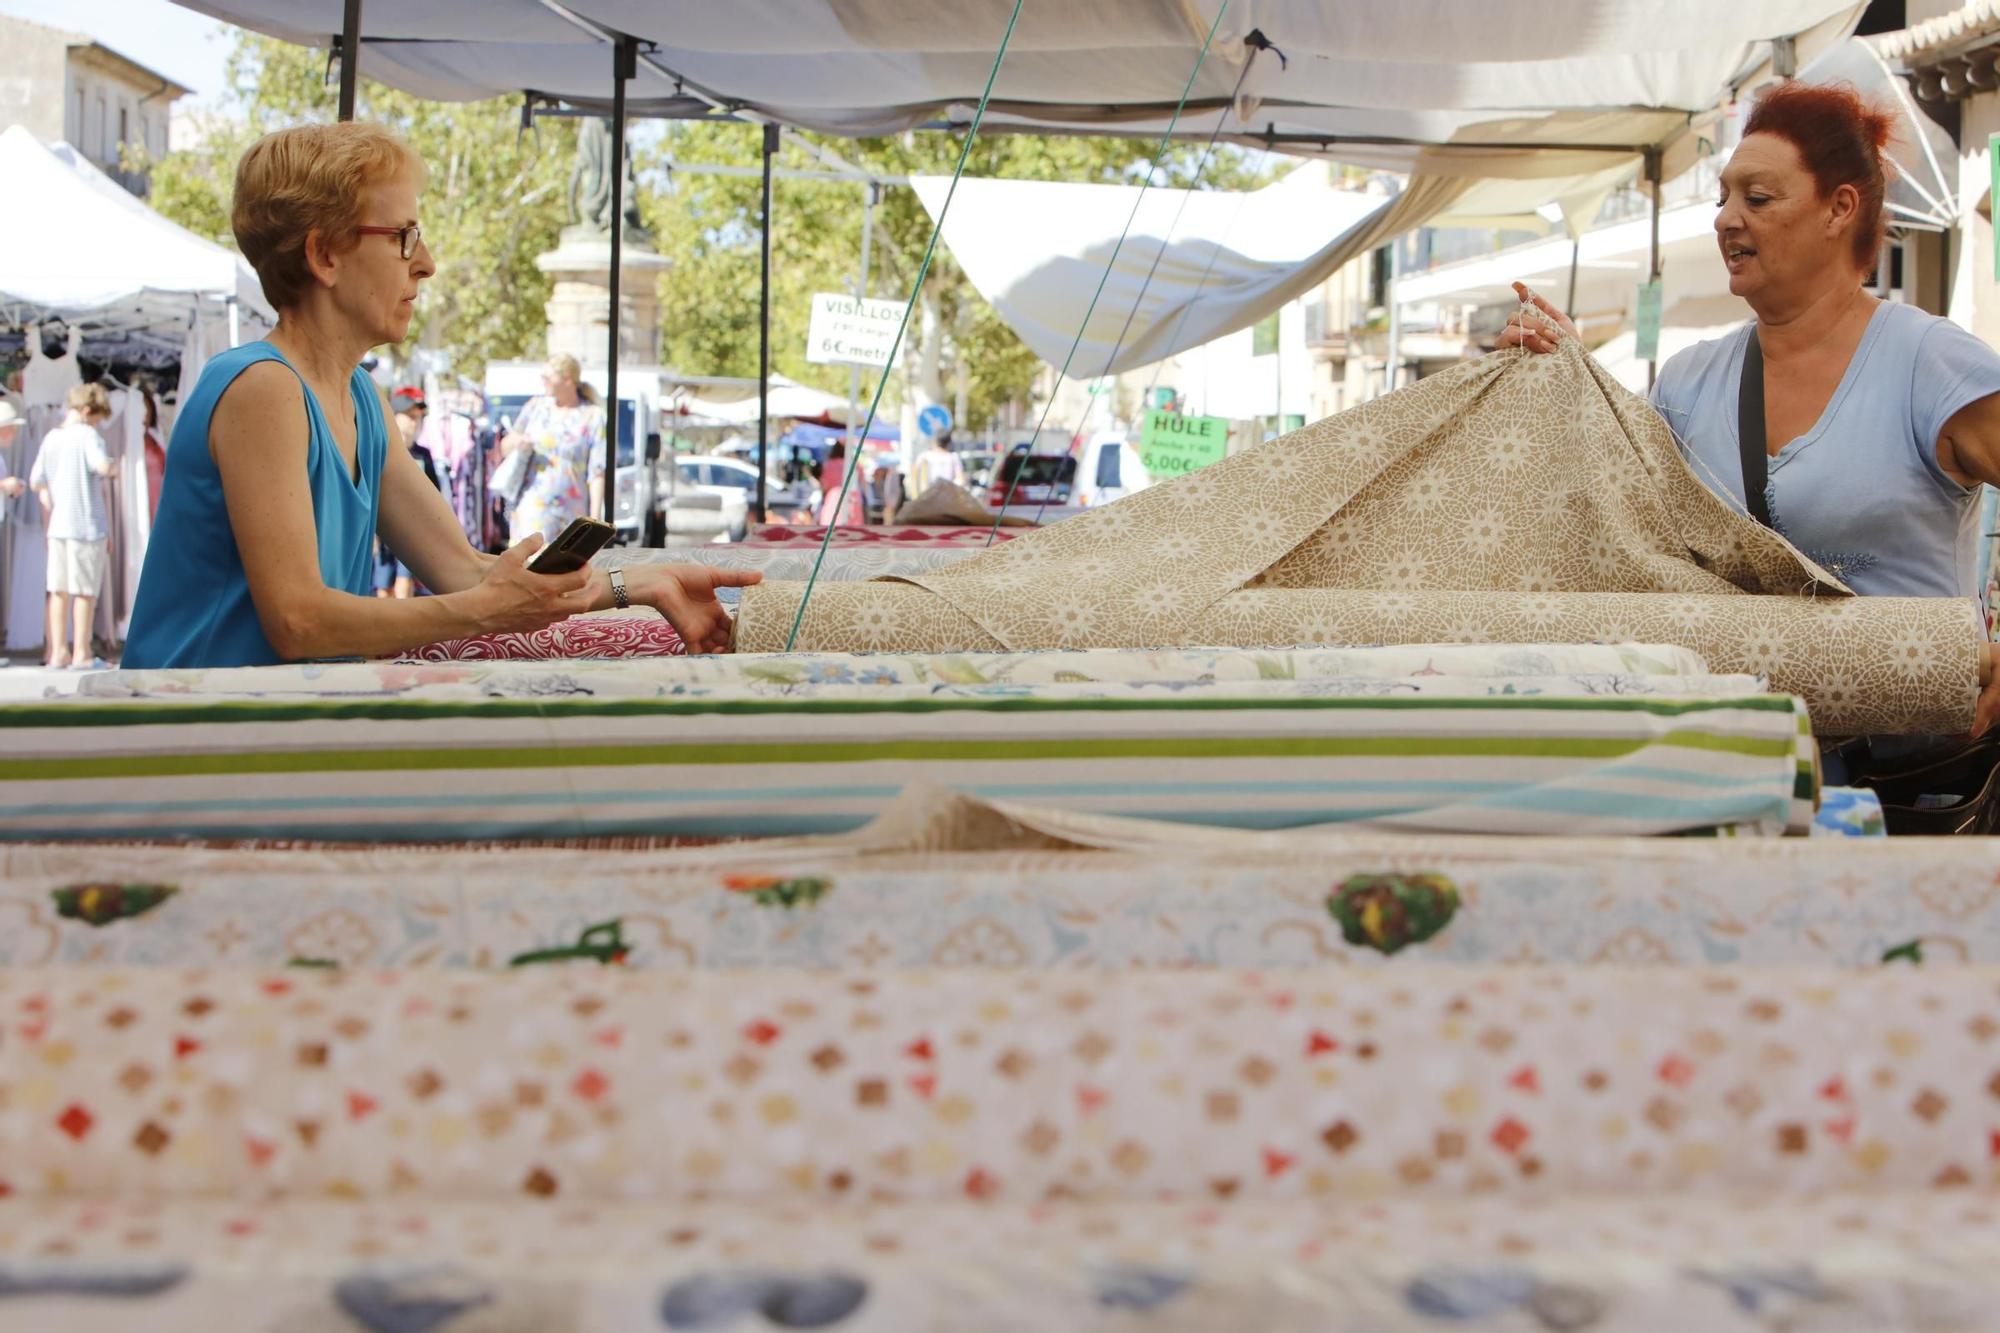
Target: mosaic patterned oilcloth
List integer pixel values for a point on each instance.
(1831, 1263)
(1482, 502)
(1009, 1086)
(1575, 903)
(1863, 665)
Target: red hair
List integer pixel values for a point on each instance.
(1841, 137)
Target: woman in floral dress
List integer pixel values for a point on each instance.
(565, 433)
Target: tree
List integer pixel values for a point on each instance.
(708, 225)
(494, 199)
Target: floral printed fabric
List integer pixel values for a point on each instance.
(568, 446)
(1565, 901)
(1490, 665)
(1517, 497)
(1826, 1263)
(1011, 1087)
(602, 635)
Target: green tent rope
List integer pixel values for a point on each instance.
(1166, 137)
(923, 271)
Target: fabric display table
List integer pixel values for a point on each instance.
(1010, 1086)
(741, 763)
(1523, 498)
(1878, 1260)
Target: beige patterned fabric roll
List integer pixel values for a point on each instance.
(1522, 498)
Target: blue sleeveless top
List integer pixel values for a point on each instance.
(194, 607)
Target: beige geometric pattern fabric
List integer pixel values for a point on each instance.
(1482, 503)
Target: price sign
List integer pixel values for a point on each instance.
(1171, 444)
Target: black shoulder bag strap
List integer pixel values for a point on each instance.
(1750, 431)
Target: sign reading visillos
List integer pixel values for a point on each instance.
(1171, 444)
(851, 331)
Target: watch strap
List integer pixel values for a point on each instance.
(619, 597)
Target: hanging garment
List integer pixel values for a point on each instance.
(46, 380)
(1520, 498)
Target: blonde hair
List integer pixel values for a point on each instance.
(90, 399)
(309, 178)
(565, 367)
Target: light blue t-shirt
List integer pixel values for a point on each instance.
(1861, 492)
(194, 607)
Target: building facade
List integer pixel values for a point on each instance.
(69, 87)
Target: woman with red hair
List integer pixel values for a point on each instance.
(1880, 421)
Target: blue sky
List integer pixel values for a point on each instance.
(187, 47)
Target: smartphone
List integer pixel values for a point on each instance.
(582, 539)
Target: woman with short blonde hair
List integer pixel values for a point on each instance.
(280, 475)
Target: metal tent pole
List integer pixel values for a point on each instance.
(871, 195)
(1575, 254)
(1653, 268)
(764, 336)
(350, 56)
(625, 64)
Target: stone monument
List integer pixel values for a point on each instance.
(580, 307)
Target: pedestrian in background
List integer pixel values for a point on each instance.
(68, 478)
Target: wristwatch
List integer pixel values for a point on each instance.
(619, 597)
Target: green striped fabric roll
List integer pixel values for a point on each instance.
(408, 770)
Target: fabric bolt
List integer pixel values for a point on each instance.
(1861, 490)
(568, 453)
(1013, 1086)
(1662, 665)
(1581, 902)
(1524, 497)
(554, 766)
(1500, 1264)
(69, 465)
(1863, 665)
(598, 635)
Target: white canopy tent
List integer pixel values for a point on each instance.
(92, 254)
(1448, 92)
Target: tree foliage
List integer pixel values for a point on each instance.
(708, 225)
(494, 199)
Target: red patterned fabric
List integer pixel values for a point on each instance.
(579, 636)
(848, 535)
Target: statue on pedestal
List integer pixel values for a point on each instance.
(590, 189)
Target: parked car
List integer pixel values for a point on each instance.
(736, 479)
(1043, 479)
(1110, 468)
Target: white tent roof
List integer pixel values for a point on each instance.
(1520, 87)
(82, 247)
(787, 398)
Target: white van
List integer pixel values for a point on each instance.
(1109, 468)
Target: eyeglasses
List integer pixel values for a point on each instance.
(409, 237)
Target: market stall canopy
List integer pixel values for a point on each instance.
(788, 398)
(1194, 265)
(81, 247)
(1523, 88)
(1922, 190)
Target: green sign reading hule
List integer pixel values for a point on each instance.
(1993, 196)
(1171, 444)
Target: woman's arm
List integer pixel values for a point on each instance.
(1968, 448)
(259, 438)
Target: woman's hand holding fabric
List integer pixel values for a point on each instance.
(1987, 711)
(1531, 331)
(511, 598)
(685, 595)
